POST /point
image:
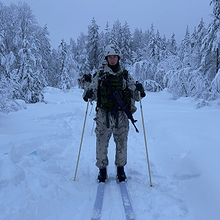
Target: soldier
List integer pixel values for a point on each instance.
(115, 91)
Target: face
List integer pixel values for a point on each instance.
(112, 59)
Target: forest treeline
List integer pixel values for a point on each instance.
(28, 63)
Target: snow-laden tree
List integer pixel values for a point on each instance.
(25, 52)
(154, 47)
(172, 46)
(81, 57)
(53, 75)
(67, 74)
(94, 58)
(159, 77)
(104, 40)
(29, 67)
(126, 44)
(185, 50)
(29, 87)
(73, 47)
(216, 8)
(43, 54)
(196, 44)
(71, 64)
(7, 50)
(160, 48)
(6, 93)
(137, 44)
(116, 34)
(210, 44)
(215, 86)
(144, 70)
(198, 84)
(107, 35)
(64, 79)
(177, 82)
(137, 72)
(151, 45)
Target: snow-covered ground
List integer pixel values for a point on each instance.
(39, 149)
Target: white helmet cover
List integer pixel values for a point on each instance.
(112, 50)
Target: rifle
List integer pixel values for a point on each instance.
(121, 103)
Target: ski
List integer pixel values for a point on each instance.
(129, 213)
(97, 209)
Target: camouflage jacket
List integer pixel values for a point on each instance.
(129, 82)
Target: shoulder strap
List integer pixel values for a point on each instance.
(125, 74)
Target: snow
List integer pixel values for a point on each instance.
(39, 149)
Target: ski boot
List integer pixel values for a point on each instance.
(102, 175)
(121, 174)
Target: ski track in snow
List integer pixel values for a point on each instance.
(39, 148)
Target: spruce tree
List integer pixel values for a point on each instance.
(185, 50)
(211, 42)
(137, 44)
(116, 34)
(93, 45)
(64, 79)
(83, 65)
(126, 44)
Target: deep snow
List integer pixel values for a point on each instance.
(39, 148)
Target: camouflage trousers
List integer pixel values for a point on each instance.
(105, 127)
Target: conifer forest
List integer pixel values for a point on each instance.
(28, 63)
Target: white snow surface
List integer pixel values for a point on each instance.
(39, 147)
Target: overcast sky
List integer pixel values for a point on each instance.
(68, 18)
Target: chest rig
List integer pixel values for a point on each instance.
(113, 97)
(106, 99)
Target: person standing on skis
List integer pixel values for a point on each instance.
(112, 111)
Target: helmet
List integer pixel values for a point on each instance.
(112, 50)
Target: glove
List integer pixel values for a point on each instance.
(87, 77)
(139, 87)
(143, 94)
(88, 95)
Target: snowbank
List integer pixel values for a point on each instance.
(39, 148)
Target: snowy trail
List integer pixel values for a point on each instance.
(39, 147)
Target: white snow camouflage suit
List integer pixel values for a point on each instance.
(106, 124)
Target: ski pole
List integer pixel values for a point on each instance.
(145, 139)
(81, 140)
